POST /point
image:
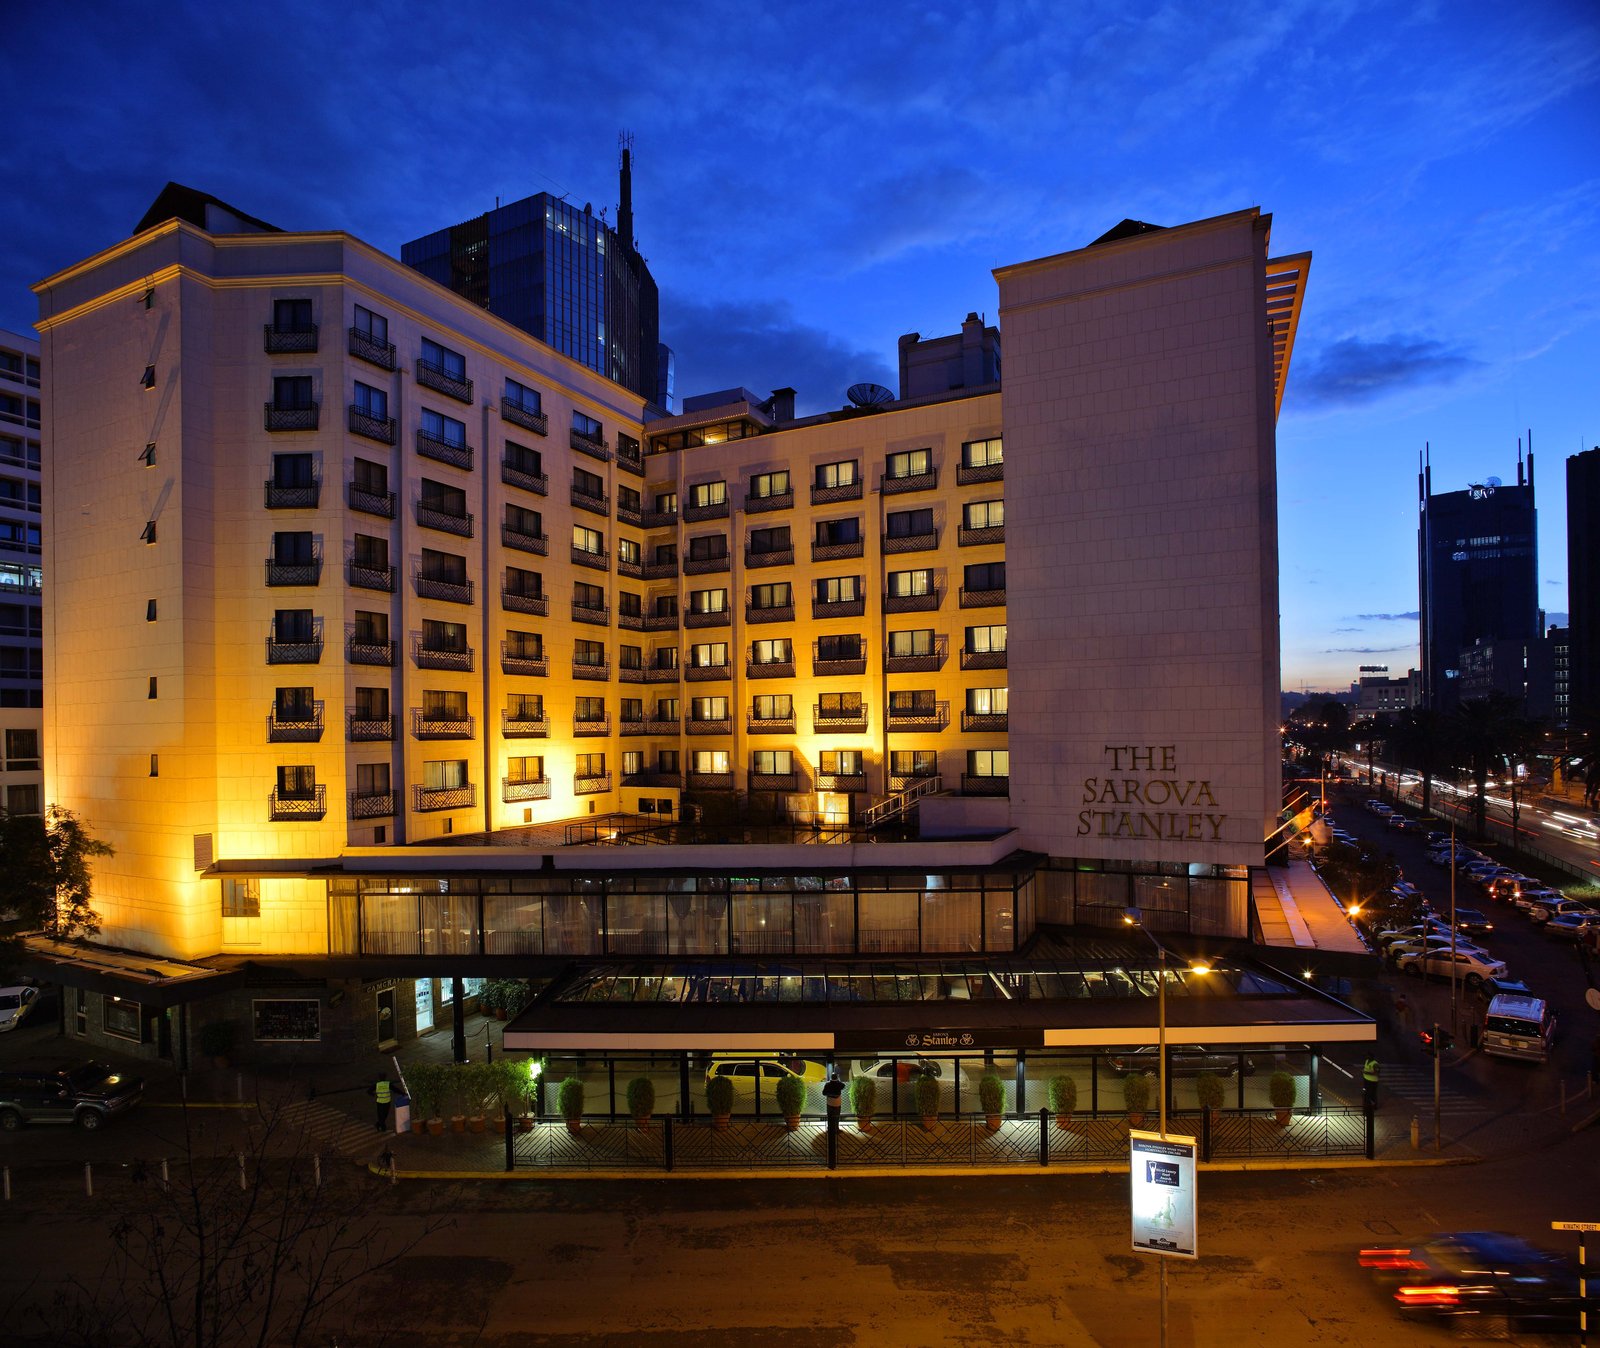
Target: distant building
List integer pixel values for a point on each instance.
(562, 274)
(1521, 669)
(21, 631)
(1377, 694)
(1477, 553)
(937, 366)
(1583, 585)
(1559, 640)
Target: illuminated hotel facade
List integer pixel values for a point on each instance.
(387, 645)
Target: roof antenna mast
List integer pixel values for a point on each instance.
(625, 206)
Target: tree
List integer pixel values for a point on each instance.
(45, 876)
(1488, 731)
(1418, 741)
(1354, 876)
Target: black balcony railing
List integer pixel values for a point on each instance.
(841, 781)
(441, 657)
(918, 718)
(517, 727)
(517, 477)
(438, 587)
(661, 725)
(983, 659)
(838, 608)
(362, 651)
(308, 572)
(370, 502)
(980, 472)
(363, 423)
(367, 729)
(652, 777)
(371, 804)
(630, 459)
(705, 510)
(659, 519)
(525, 417)
(918, 658)
(925, 542)
(518, 541)
(301, 496)
(839, 720)
(594, 559)
(590, 784)
(774, 781)
(277, 418)
(968, 537)
(893, 486)
(769, 613)
(768, 557)
(926, 602)
(984, 785)
(444, 798)
(843, 491)
(524, 788)
(769, 669)
(839, 659)
(634, 622)
(632, 725)
(514, 601)
(984, 720)
(661, 674)
(594, 446)
(760, 505)
(707, 618)
(666, 569)
(433, 726)
(629, 514)
(909, 781)
(832, 552)
(444, 381)
(295, 725)
(597, 614)
(701, 566)
(596, 503)
(365, 347)
(294, 651)
(631, 674)
(599, 670)
(709, 725)
(770, 725)
(444, 451)
(711, 781)
(278, 341)
(445, 520)
(982, 598)
(298, 804)
(514, 661)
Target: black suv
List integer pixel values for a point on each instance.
(86, 1095)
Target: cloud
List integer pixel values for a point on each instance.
(1365, 650)
(1355, 370)
(1389, 617)
(762, 347)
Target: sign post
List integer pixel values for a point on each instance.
(1162, 1174)
(1583, 1229)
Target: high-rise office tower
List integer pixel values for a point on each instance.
(562, 274)
(1583, 586)
(1477, 557)
(21, 642)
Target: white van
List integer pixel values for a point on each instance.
(1516, 1026)
(15, 1003)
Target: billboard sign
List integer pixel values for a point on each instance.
(1163, 1175)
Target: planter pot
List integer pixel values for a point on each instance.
(500, 1124)
(791, 1121)
(525, 1123)
(475, 1123)
(992, 1122)
(642, 1122)
(928, 1121)
(220, 1061)
(1281, 1118)
(435, 1127)
(720, 1122)
(1063, 1121)
(864, 1123)
(574, 1126)
(1136, 1120)
(458, 1123)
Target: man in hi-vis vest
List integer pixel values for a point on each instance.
(383, 1094)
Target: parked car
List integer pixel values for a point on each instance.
(1494, 987)
(1471, 920)
(1420, 945)
(1528, 898)
(752, 1074)
(16, 1003)
(1505, 888)
(86, 1095)
(1546, 909)
(1402, 824)
(1183, 1060)
(1573, 926)
(1380, 807)
(1477, 1273)
(1470, 966)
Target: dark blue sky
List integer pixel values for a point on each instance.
(813, 181)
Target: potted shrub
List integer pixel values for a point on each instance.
(1208, 1089)
(1136, 1096)
(426, 1080)
(791, 1094)
(1280, 1090)
(925, 1092)
(864, 1100)
(719, 1100)
(642, 1100)
(490, 1001)
(216, 1040)
(477, 1088)
(1063, 1099)
(453, 1090)
(992, 1099)
(569, 1100)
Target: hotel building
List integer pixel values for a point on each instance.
(390, 647)
(21, 639)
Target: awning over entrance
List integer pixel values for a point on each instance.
(150, 980)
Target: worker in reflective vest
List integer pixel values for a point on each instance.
(1369, 1081)
(383, 1094)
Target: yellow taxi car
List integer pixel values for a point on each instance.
(752, 1076)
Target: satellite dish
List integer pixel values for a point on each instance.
(1492, 482)
(869, 395)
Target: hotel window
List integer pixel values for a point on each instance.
(664, 657)
(22, 751)
(988, 762)
(291, 316)
(665, 606)
(524, 584)
(629, 605)
(526, 768)
(241, 898)
(909, 463)
(630, 657)
(586, 540)
(666, 709)
(294, 625)
(708, 601)
(591, 765)
(772, 651)
(763, 541)
(838, 589)
(521, 459)
(586, 425)
(839, 647)
(588, 596)
(910, 523)
(666, 503)
(773, 707)
(372, 402)
(374, 327)
(297, 781)
(666, 554)
(448, 568)
(372, 704)
(708, 709)
(777, 594)
(629, 552)
(442, 497)
(667, 760)
(708, 655)
(372, 779)
(837, 706)
(523, 397)
(292, 393)
(372, 629)
(632, 762)
(707, 547)
(443, 704)
(903, 584)
(445, 429)
(589, 709)
(981, 453)
(913, 762)
(442, 636)
(525, 706)
(713, 761)
(585, 483)
(521, 520)
(988, 701)
(764, 486)
(919, 641)
(703, 494)
(841, 474)
(123, 1019)
(631, 708)
(288, 470)
(370, 477)
(840, 763)
(629, 500)
(778, 762)
(294, 704)
(588, 653)
(444, 774)
(985, 576)
(983, 514)
(838, 531)
(990, 638)
(451, 364)
(912, 702)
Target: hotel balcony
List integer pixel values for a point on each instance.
(276, 341)
(844, 491)
(659, 519)
(599, 670)
(441, 380)
(303, 497)
(294, 573)
(630, 457)
(514, 602)
(712, 725)
(443, 798)
(770, 725)
(307, 651)
(968, 537)
(915, 662)
(839, 663)
(632, 622)
(587, 444)
(927, 542)
(659, 725)
(707, 673)
(295, 726)
(595, 561)
(516, 662)
(446, 521)
(444, 451)
(702, 566)
(583, 785)
(361, 652)
(774, 781)
(838, 720)
(370, 502)
(425, 727)
(364, 576)
(985, 720)
(517, 541)
(524, 788)
(440, 657)
(453, 591)
(664, 570)
(653, 777)
(629, 514)
(972, 785)
(982, 598)
(631, 674)
(760, 505)
(983, 659)
(361, 729)
(382, 429)
(597, 615)
(927, 719)
(311, 804)
(773, 613)
(276, 418)
(834, 552)
(524, 727)
(538, 483)
(661, 674)
(707, 618)
(838, 608)
(769, 669)
(632, 726)
(371, 804)
(915, 781)
(913, 603)
(363, 347)
(536, 422)
(595, 504)
(712, 510)
(711, 781)
(979, 472)
(893, 486)
(769, 557)
(841, 781)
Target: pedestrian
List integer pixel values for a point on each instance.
(1402, 1009)
(383, 1096)
(1369, 1081)
(833, 1093)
